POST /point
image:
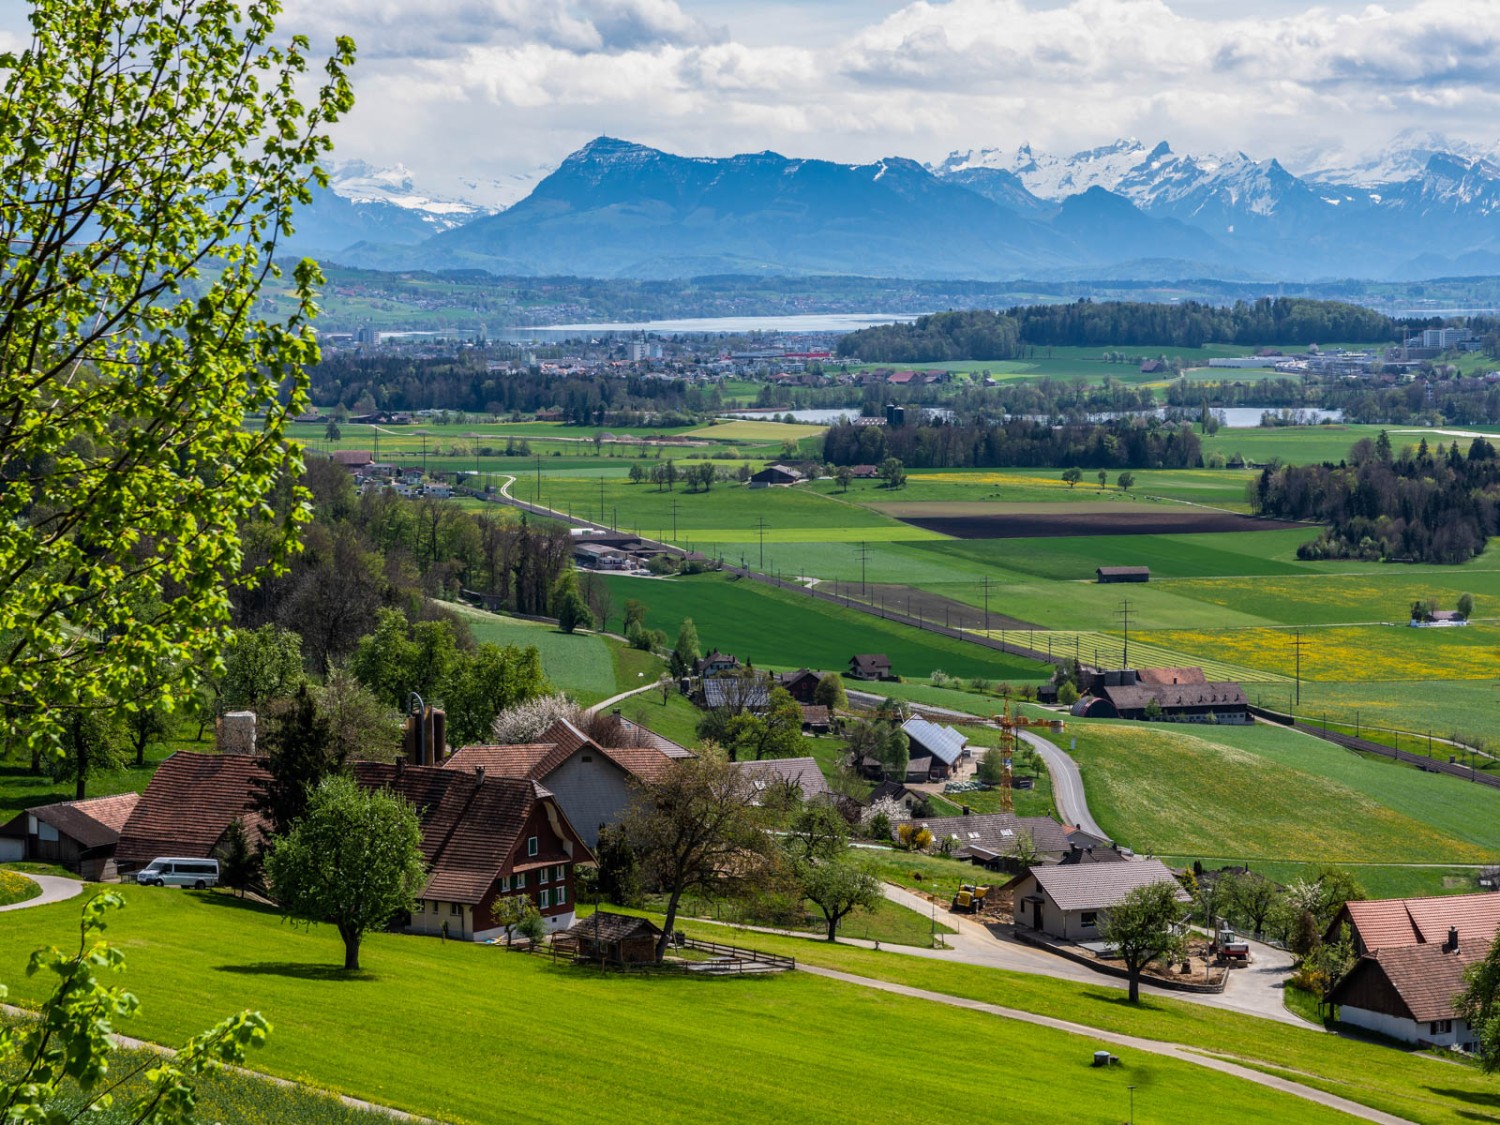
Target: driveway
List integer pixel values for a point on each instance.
(54, 889)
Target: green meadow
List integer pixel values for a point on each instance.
(664, 1047)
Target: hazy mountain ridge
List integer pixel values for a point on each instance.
(619, 209)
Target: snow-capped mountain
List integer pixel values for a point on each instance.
(363, 183)
(1405, 158)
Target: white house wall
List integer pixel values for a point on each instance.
(1405, 1030)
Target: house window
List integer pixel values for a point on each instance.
(421, 907)
(1090, 918)
(560, 872)
(505, 883)
(1440, 1027)
(520, 880)
(544, 899)
(545, 876)
(562, 896)
(531, 845)
(455, 908)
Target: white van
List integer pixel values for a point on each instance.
(199, 874)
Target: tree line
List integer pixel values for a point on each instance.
(984, 334)
(1418, 505)
(1126, 443)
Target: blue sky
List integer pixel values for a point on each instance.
(489, 91)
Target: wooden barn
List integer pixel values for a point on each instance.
(1123, 573)
(617, 939)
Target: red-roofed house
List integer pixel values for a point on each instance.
(190, 803)
(79, 835)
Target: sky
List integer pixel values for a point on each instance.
(486, 92)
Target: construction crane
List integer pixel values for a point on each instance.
(1006, 721)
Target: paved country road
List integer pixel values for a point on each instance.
(1067, 784)
(54, 889)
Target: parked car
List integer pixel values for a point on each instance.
(170, 871)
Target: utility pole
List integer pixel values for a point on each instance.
(1297, 643)
(864, 555)
(760, 527)
(601, 498)
(424, 453)
(1124, 614)
(986, 584)
(539, 480)
(674, 519)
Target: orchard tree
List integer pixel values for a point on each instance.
(1479, 1006)
(1142, 927)
(1072, 475)
(354, 859)
(830, 693)
(893, 472)
(261, 665)
(1126, 481)
(151, 159)
(687, 651)
(837, 886)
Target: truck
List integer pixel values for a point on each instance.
(1229, 944)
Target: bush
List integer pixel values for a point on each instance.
(1067, 695)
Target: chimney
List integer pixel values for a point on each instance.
(478, 775)
(1451, 945)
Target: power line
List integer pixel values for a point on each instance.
(1124, 613)
(864, 554)
(760, 527)
(1297, 643)
(986, 585)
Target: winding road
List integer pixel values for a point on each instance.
(1067, 785)
(55, 888)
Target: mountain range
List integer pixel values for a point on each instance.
(1425, 207)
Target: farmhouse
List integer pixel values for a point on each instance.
(1123, 573)
(801, 685)
(816, 718)
(802, 774)
(870, 666)
(716, 664)
(1128, 694)
(1066, 901)
(1407, 992)
(990, 839)
(592, 783)
(484, 839)
(945, 747)
(749, 692)
(79, 835)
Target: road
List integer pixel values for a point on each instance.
(1067, 785)
(55, 888)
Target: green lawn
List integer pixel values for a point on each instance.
(1399, 1082)
(1259, 793)
(779, 627)
(569, 1045)
(580, 664)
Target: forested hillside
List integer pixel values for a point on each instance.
(979, 334)
(1132, 443)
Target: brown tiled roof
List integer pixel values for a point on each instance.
(815, 714)
(1172, 676)
(95, 823)
(607, 926)
(645, 762)
(1118, 570)
(1382, 923)
(1424, 978)
(1135, 697)
(801, 772)
(534, 760)
(564, 734)
(189, 803)
(871, 661)
(470, 829)
(625, 733)
(1098, 886)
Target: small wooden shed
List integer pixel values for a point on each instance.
(618, 939)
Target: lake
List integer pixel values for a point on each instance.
(795, 324)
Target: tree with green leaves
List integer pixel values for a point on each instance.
(146, 723)
(830, 693)
(151, 158)
(837, 886)
(91, 744)
(893, 472)
(1478, 1005)
(775, 732)
(400, 658)
(686, 652)
(695, 828)
(817, 830)
(619, 871)
(991, 768)
(359, 724)
(261, 665)
(238, 862)
(1126, 480)
(1072, 475)
(1103, 477)
(331, 430)
(843, 475)
(511, 911)
(1465, 606)
(354, 860)
(68, 1046)
(1251, 898)
(1142, 927)
(487, 681)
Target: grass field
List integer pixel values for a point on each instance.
(579, 663)
(667, 1048)
(778, 627)
(1262, 793)
(752, 431)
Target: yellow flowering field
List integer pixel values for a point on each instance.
(1350, 653)
(1146, 651)
(1012, 479)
